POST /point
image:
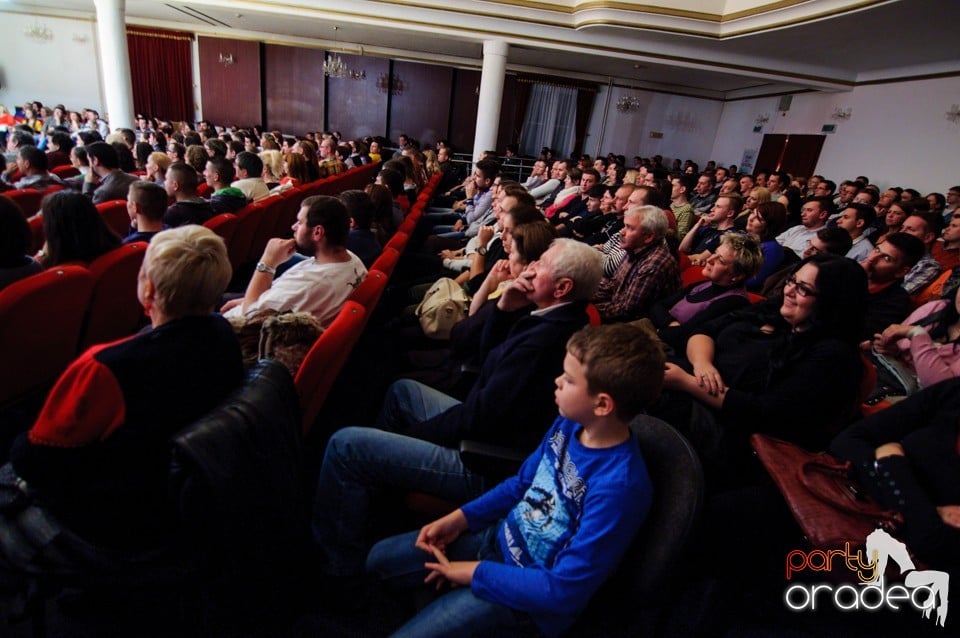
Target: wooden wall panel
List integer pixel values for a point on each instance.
(357, 108)
(463, 124)
(230, 95)
(423, 110)
(293, 79)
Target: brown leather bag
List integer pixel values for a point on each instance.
(823, 496)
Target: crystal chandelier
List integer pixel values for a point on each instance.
(334, 67)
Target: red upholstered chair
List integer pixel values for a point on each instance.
(36, 234)
(692, 275)
(115, 311)
(325, 360)
(204, 190)
(248, 219)
(398, 242)
(593, 315)
(684, 261)
(40, 322)
(755, 297)
(115, 214)
(368, 293)
(52, 188)
(28, 199)
(409, 223)
(272, 207)
(387, 261)
(287, 212)
(224, 225)
(63, 172)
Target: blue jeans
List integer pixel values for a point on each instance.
(397, 562)
(361, 462)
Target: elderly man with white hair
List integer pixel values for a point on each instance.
(647, 274)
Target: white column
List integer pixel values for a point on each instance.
(115, 62)
(491, 96)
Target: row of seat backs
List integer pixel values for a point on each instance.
(49, 318)
(328, 355)
(29, 199)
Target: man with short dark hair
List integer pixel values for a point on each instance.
(105, 168)
(219, 175)
(703, 197)
(32, 165)
(886, 266)
(848, 190)
(146, 205)
(825, 188)
(923, 227)
(704, 238)
(856, 219)
(188, 207)
(683, 186)
(320, 284)
(93, 123)
(249, 169)
(947, 249)
(17, 139)
(59, 144)
(777, 182)
(953, 201)
(813, 217)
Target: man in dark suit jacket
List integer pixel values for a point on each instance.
(511, 403)
(105, 169)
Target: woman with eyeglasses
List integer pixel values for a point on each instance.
(790, 368)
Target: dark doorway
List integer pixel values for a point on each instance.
(795, 154)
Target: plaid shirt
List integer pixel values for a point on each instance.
(643, 278)
(925, 271)
(332, 166)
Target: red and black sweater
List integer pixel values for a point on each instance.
(99, 453)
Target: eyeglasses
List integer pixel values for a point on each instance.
(803, 290)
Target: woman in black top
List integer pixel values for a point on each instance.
(791, 369)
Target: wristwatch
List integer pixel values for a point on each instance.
(482, 251)
(262, 267)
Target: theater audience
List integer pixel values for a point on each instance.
(15, 262)
(319, 284)
(105, 181)
(146, 205)
(225, 197)
(520, 344)
(361, 240)
(99, 450)
(648, 272)
(926, 341)
(788, 368)
(886, 267)
(188, 207)
(678, 316)
(906, 458)
(74, 230)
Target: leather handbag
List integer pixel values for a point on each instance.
(822, 494)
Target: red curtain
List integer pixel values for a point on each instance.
(161, 72)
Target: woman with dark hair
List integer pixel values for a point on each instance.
(15, 263)
(309, 153)
(143, 150)
(937, 202)
(74, 230)
(386, 216)
(766, 222)
(926, 342)
(788, 368)
(676, 317)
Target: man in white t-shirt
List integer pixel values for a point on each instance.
(319, 284)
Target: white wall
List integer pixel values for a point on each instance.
(898, 134)
(688, 125)
(64, 70)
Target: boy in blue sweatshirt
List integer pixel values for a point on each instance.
(533, 550)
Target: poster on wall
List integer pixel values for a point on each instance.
(746, 162)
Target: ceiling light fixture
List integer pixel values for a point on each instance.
(953, 115)
(334, 67)
(842, 114)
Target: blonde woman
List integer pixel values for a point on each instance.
(431, 162)
(157, 165)
(272, 167)
(757, 196)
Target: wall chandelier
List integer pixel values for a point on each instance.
(628, 103)
(39, 32)
(395, 85)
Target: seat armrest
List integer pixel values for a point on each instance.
(493, 461)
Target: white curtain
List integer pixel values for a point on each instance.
(549, 121)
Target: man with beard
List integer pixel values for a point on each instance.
(319, 284)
